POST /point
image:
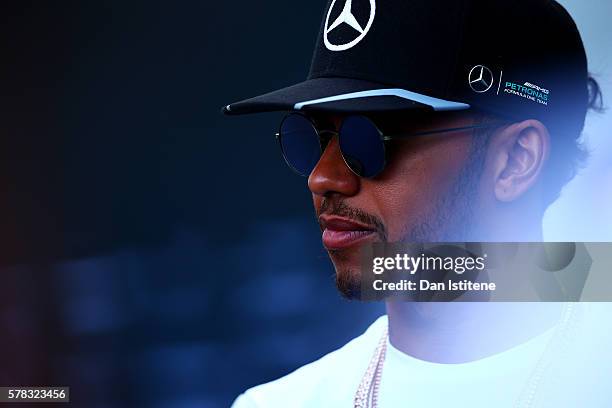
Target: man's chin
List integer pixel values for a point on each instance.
(348, 283)
(348, 276)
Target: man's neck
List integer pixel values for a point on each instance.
(466, 331)
(456, 332)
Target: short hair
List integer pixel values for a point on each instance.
(568, 153)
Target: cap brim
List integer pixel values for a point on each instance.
(341, 95)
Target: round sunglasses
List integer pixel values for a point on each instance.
(362, 144)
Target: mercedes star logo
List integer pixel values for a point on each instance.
(480, 79)
(347, 17)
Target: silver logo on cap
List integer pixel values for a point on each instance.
(480, 79)
(347, 17)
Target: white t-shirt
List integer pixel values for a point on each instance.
(569, 365)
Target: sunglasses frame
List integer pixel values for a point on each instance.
(383, 137)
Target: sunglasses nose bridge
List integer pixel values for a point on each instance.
(330, 151)
(331, 174)
(338, 156)
(363, 146)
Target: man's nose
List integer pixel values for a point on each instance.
(332, 175)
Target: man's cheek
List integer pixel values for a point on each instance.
(398, 227)
(394, 232)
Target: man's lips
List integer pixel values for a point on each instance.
(339, 233)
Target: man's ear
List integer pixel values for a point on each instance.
(522, 150)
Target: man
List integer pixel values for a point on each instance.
(437, 121)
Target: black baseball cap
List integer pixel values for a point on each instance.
(516, 58)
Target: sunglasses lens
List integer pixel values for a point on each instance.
(299, 144)
(362, 147)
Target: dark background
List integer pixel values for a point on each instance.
(152, 251)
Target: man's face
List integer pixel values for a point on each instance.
(428, 192)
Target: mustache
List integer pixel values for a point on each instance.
(339, 208)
